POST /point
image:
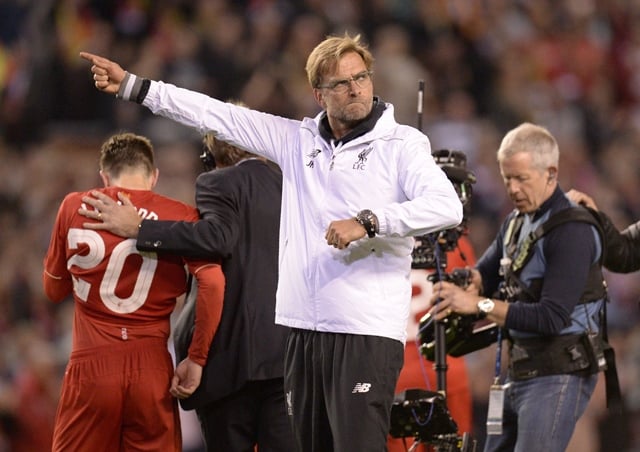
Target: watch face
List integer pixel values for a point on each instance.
(486, 305)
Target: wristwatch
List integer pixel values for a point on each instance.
(485, 306)
(369, 222)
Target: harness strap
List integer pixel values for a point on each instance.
(578, 213)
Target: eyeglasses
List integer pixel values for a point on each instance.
(361, 80)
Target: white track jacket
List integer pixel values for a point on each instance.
(365, 288)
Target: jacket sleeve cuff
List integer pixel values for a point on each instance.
(133, 88)
(383, 224)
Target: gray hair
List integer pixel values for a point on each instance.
(534, 140)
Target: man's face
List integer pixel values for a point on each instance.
(346, 108)
(527, 186)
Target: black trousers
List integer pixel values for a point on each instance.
(339, 390)
(255, 415)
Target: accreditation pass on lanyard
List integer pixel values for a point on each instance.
(496, 396)
(496, 405)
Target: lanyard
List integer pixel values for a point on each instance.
(498, 358)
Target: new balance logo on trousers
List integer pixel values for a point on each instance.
(361, 387)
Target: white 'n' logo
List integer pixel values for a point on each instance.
(289, 403)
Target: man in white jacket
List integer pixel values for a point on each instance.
(357, 187)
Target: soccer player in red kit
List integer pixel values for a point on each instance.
(119, 388)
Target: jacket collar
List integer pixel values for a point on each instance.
(546, 206)
(365, 126)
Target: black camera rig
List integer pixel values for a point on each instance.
(421, 414)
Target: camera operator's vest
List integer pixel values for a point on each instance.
(514, 288)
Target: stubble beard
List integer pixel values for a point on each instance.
(354, 113)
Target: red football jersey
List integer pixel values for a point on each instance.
(120, 293)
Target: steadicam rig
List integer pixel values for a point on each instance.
(421, 414)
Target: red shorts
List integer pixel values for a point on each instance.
(117, 398)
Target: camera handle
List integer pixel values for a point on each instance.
(440, 363)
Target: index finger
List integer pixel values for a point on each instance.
(95, 59)
(90, 57)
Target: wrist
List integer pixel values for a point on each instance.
(135, 230)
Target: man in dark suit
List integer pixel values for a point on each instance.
(240, 402)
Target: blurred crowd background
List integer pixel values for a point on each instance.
(570, 65)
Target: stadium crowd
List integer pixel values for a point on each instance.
(570, 65)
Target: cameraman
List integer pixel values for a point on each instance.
(622, 248)
(549, 301)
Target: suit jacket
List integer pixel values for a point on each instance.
(240, 211)
(622, 249)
